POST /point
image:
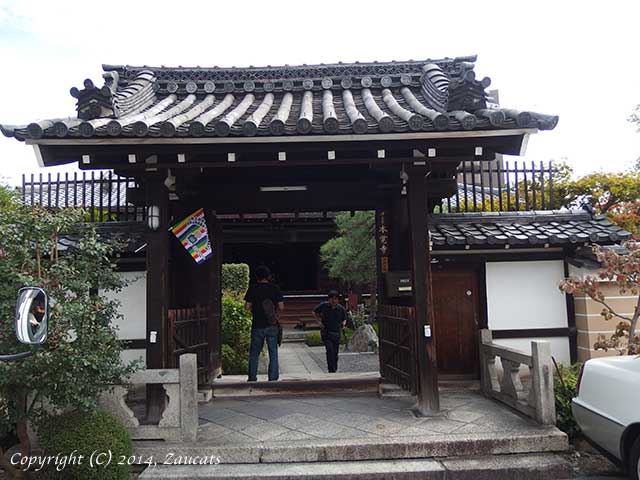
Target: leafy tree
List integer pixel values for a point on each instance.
(624, 270)
(605, 192)
(81, 357)
(351, 256)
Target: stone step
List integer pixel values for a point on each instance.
(544, 440)
(319, 384)
(491, 467)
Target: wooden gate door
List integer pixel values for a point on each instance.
(397, 343)
(456, 301)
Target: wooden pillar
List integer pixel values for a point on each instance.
(427, 368)
(383, 237)
(214, 333)
(157, 292)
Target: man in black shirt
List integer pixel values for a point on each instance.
(262, 328)
(333, 317)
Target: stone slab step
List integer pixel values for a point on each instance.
(323, 384)
(497, 467)
(545, 440)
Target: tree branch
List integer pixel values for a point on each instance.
(602, 302)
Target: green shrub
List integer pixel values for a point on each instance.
(236, 336)
(565, 383)
(313, 339)
(86, 433)
(235, 280)
(347, 333)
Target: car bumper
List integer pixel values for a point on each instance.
(601, 430)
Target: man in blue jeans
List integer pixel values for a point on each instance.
(261, 329)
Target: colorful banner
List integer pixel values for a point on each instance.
(192, 233)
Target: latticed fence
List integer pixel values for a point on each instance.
(397, 353)
(188, 334)
(102, 194)
(500, 186)
(494, 186)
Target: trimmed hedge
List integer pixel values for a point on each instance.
(236, 336)
(235, 280)
(85, 433)
(313, 339)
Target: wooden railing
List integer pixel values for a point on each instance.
(499, 186)
(533, 395)
(397, 334)
(103, 195)
(179, 420)
(188, 334)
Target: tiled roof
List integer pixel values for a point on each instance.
(531, 228)
(360, 98)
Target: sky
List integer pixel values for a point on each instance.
(578, 60)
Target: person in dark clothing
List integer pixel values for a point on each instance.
(261, 328)
(333, 317)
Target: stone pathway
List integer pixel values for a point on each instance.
(337, 417)
(348, 362)
(295, 359)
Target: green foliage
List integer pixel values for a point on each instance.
(83, 433)
(82, 353)
(565, 383)
(313, 339)
(605, 191)
(235, 280)
(351, 256)
(236, 336)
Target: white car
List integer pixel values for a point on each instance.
(607, 407)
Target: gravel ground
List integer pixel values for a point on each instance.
(347, 362)
(588, 463)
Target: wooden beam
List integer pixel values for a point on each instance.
(428, 403)
(157, 253)
(214, 331)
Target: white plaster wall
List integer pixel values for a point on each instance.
(523, 295)
(133, 306)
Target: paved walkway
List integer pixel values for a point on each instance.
(340, 417)
(295, 360)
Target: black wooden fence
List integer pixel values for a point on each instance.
(495, 186)
(102, 194)
(500, 186)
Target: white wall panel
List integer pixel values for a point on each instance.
(133, 306)
(525, 295)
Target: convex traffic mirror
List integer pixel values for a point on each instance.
(32, 314)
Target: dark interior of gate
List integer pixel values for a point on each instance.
(246, 201)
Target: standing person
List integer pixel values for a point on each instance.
(264, 300)
(333, 317)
